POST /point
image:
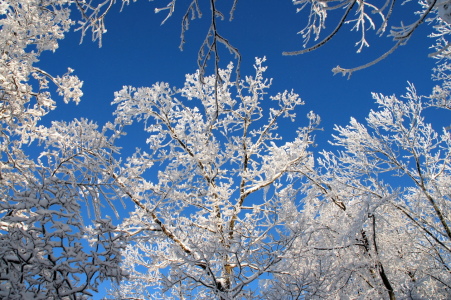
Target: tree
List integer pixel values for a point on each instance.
(223, 211)
(381, 205)
(233, 206)
(42, 254)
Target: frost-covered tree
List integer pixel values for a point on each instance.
(222, 211)
(44, 251)
(382, 207)
(46, 173)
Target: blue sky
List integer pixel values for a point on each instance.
(138, 51)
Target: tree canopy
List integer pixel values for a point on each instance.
(224, 202)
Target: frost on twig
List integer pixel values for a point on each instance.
(364, 11)
(209, 50)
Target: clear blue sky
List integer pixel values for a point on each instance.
(138, 51)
